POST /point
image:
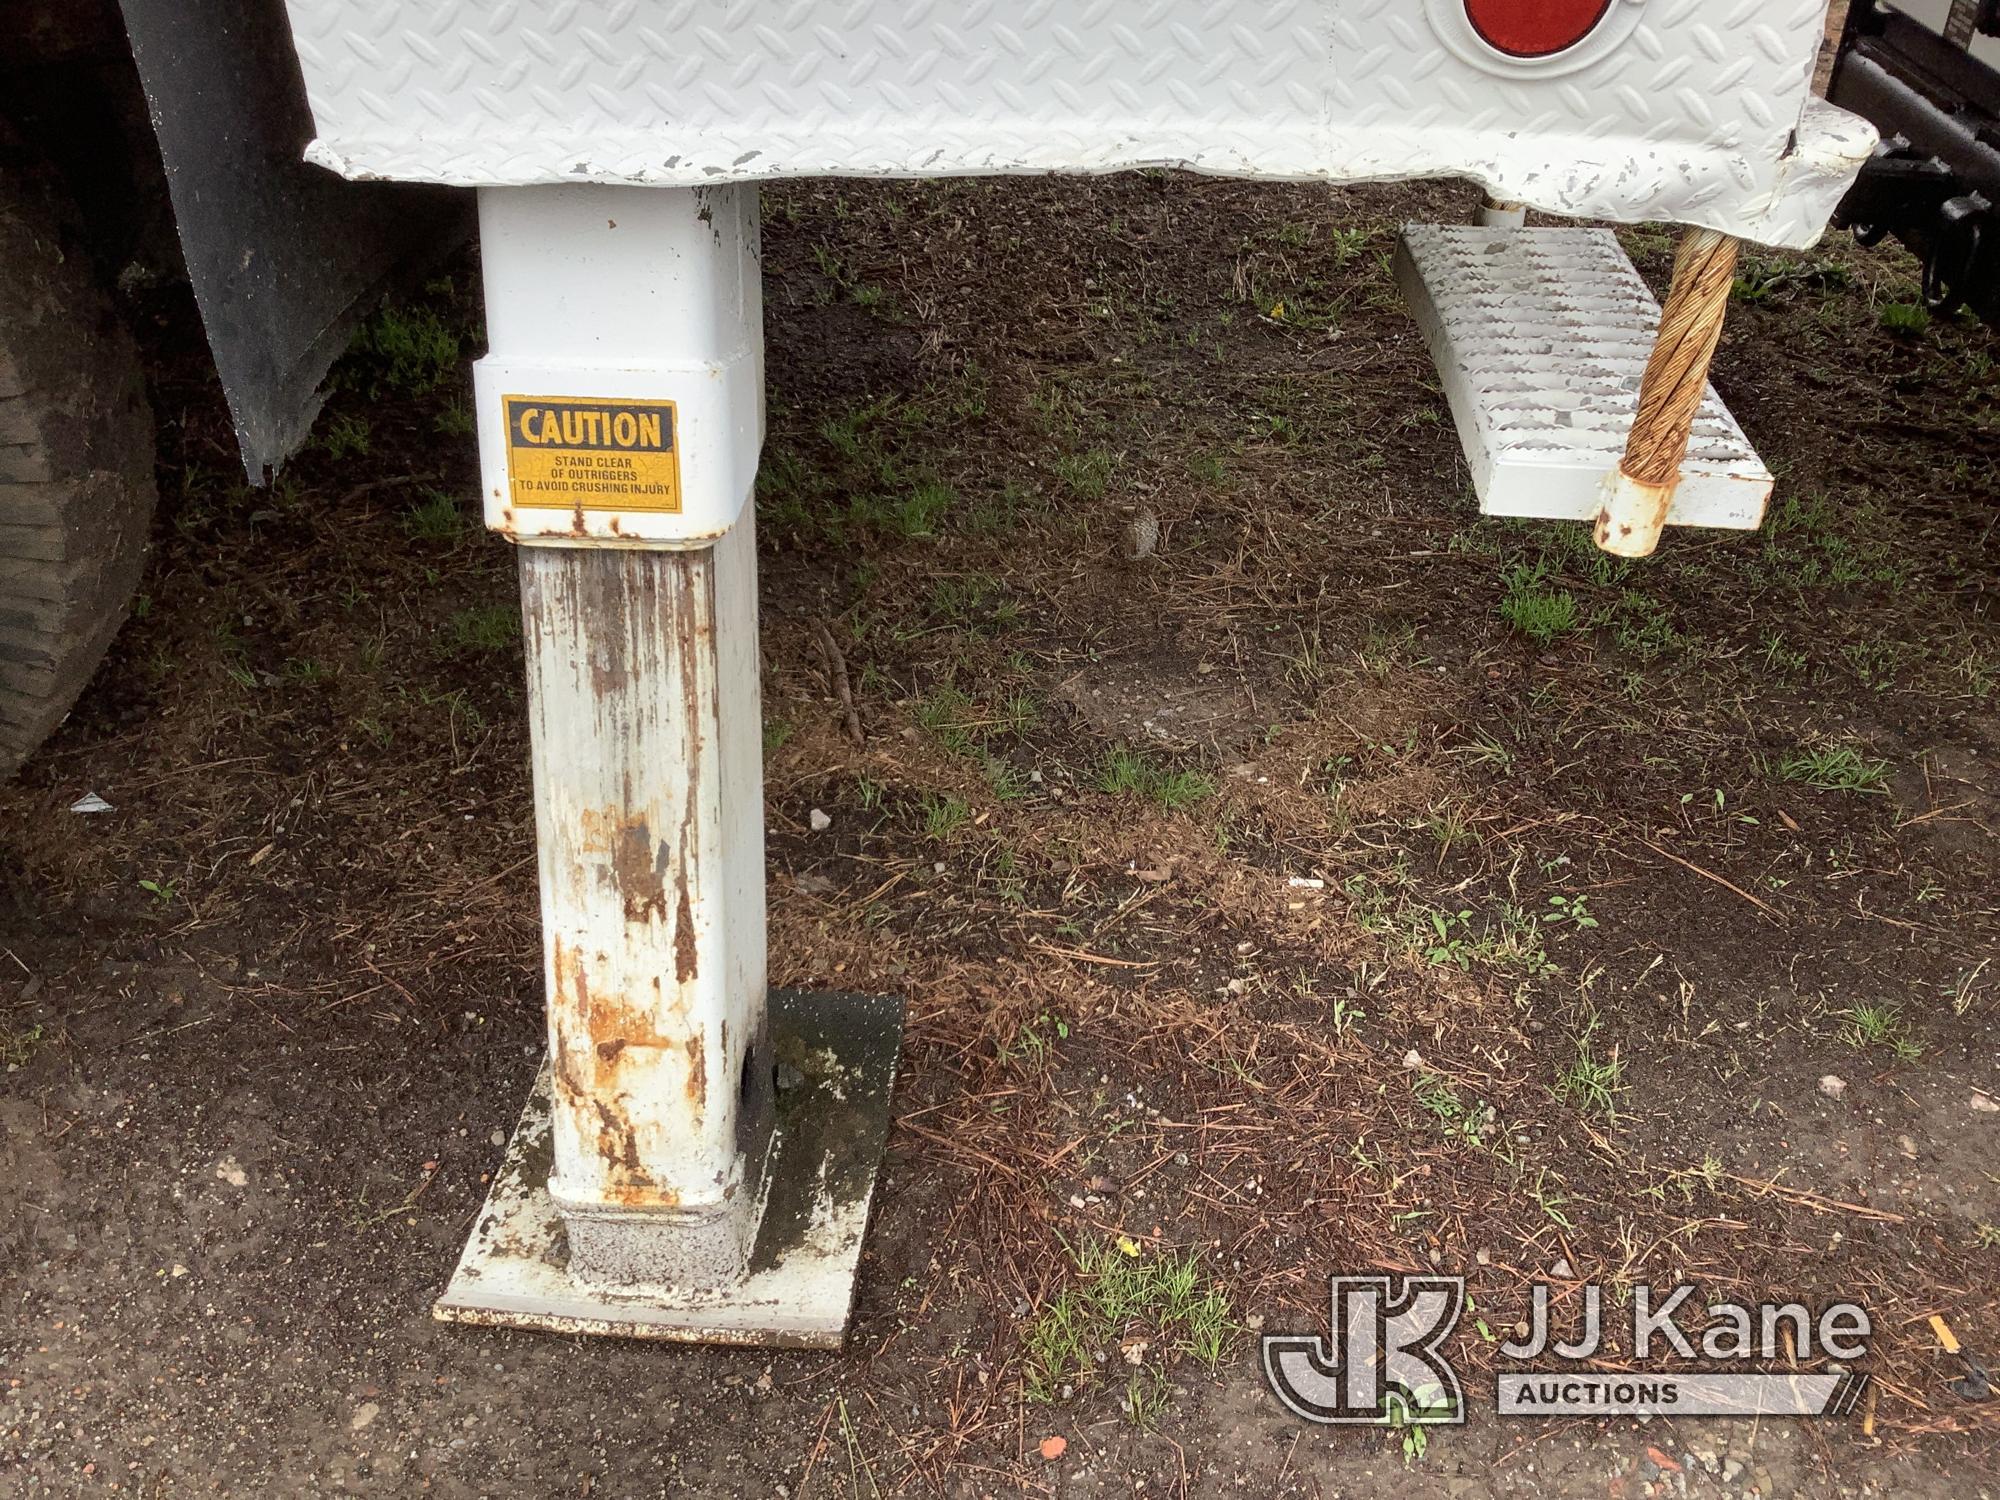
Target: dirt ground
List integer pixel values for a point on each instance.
(1348, 883)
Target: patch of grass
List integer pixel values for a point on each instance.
(919, 512)
(943, 814)
(1058, 1346)
(1208, 469)
(1448, 826)
(1779, 655)
(1642, 625)
(1814, 543)
(1505, 938)
(1127, 773)
(1018, 713)
(346, 436)
(948, 714)
(485, 627)
(454, 419)
(234, 655)
(1879, 1025)
(308, 671)
(1590, 1082)
(870, 483)
(997, 512)
(1529, 605)
(1388, 646)
(1147, 1396)
(1763, 278)
(1486, 749)
(1462, 1121)
(977, 602)
(437, 518)
(405, 351)
(1874, 661)
(1088, 475)
(1905, 319)
(1131, 1308)
(1035, 1042)
(18, 1044)
(1308, 668)
(1835, 768)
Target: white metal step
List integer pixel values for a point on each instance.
(1541, 337)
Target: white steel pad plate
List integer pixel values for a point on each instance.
(1541, 337)
(828, 1146)
(1691, 110)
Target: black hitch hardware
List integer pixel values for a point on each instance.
(1935, 180)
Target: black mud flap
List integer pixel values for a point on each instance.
(285, 258)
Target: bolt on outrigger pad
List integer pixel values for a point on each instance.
(697, 1159)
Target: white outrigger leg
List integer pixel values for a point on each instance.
(694, 1162)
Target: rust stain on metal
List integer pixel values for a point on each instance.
(694, 583)
(638, 1195)
(607, 1051)
(635, 866)
(697, 1081)
(616, 1138)
(569, 1001)
(685, 957)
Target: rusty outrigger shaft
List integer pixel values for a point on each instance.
(642, 693)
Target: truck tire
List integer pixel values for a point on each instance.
(76, 465)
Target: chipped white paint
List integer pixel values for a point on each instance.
(1541, 337)
(1688, 110)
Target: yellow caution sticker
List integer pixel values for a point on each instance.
(573, 453)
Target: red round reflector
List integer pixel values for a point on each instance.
(1534, 28)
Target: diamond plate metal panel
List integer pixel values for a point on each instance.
(1541, 337)
(1672, 109)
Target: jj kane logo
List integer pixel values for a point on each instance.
(1386, 1359)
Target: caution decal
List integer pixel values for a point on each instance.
(569, 453)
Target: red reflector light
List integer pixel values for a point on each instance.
(1534, 28)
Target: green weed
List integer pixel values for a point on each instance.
(405, 351)
(943, 815)
(345, 437)
(1088, 475)
(1591, 1083)
(436, 519)
(1123, 1301)
(1539, 612)
(485, 627)
(1905, 319)
(1127, 773)
(1880, 1025)
(1835, 768)
(18, 1044)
